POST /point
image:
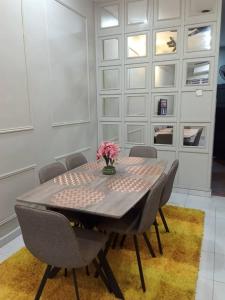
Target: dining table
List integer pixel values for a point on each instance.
(86, 190)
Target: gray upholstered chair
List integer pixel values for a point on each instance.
(143, 151)
(135, 224)
(75, 160)
(50, 238)
(167, 190)
(50, 171)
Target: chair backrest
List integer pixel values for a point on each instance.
(75, 160)
(164, 138)
(167, 190)
(49, 236)
(197, 137)
(143, 151)
(50, 171)
(150, 209)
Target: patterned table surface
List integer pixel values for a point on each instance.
(86, 189)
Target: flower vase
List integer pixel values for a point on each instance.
(109, 170)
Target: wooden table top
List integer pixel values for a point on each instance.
(188, 132)
(86, 189)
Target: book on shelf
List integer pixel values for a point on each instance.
(162, 107)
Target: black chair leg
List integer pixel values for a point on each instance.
(163, 220)
(75, 284)
(65, 272)
(139, 263)
(53, 272)
(43, 282)
(115, 241)
(87, 271)
(158, 238)
(149, 245)
(122, 241)
(102, 275)
(106, 250)
(111, 278)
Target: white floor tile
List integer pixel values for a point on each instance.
(204, 289)
(178, 199)
(208, 242)
(220, 236)
(206, 265)
(202, 203)
(219, 291)
(220, 212)
(12, 247)
(219, 268)
(218, 202)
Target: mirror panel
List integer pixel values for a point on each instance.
(166, 42)
(164, 105)
(110, 79)
(136, 106)
(111, 107)
(135, 134)
(194, 136)
(169, 9)
(136, 78)
(110, 132)
(137, 46)
(199, 38)
(137, 12)
(163, 134)
(198, 73)
(109, 16)
(110, 49)
(164, 76)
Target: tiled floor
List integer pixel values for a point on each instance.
(211, 281)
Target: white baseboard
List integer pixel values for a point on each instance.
(192, 192)
(10, 236)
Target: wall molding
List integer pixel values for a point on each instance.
(17, 171)
(69, 123)
(76, 12)
(74, 152)
(10, 236)
(16, 129)
(8, 219)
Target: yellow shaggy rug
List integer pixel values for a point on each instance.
(172, 276)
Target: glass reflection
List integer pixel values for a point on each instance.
(198, 73)
(137, 12)
(109, 16)
(135, 106)
(110, 107)
(164, 76)
(136, 46)
(163, 135)
(110, 132)
(110, 49)
(199, 38)
(166, 42)
(135, 134)
(136, 78)
(193, 136)
(110, 79)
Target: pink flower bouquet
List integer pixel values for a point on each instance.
(109, 151)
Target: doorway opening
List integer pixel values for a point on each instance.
(218, 166)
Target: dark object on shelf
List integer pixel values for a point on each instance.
(162, 107)
(206, 11)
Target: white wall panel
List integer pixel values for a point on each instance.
(14, 91)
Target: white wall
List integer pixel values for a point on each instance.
(45, 111)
